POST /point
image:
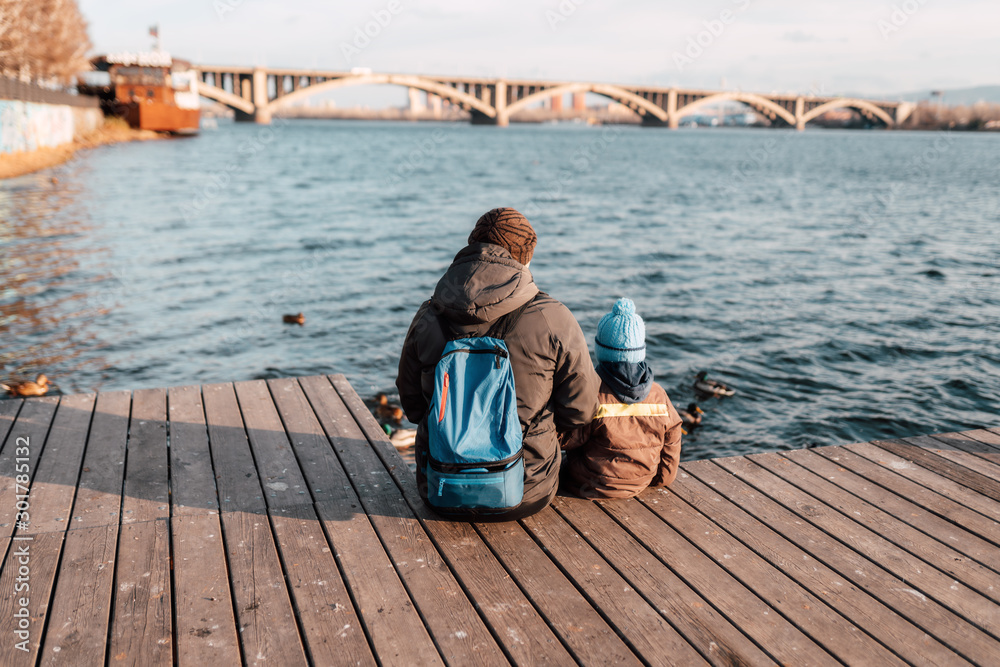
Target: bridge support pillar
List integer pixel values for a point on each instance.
(435, 104)
(501, 119)
(262, 114)
(479, 118)
(416, 103)
(673, 120)
(903, 112)
(500, 103)
(800, 112)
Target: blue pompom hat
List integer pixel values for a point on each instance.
(621, 334)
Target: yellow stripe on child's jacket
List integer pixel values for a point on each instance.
(633, 410)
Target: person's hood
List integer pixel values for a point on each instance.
(483, 283)
(630, 383)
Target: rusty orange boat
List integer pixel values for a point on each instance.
(151, 91)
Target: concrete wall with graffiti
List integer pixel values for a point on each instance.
(33, 117)
(28, 126)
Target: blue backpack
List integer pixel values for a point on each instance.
(475, 460)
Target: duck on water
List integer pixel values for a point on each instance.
(706, 387)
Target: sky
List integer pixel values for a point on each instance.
(864, 47)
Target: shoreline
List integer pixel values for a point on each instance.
(113, 131)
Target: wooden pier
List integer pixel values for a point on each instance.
(272, 523)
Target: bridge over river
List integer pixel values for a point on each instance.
(256, 93)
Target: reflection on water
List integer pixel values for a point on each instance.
(52, 276)
(847, 284)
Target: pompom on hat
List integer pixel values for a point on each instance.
(506, 227)
(621, 334)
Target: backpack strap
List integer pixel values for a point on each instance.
(504, 325)
(500, 328)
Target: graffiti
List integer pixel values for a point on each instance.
(28, 126)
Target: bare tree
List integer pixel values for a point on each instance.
(42, 40)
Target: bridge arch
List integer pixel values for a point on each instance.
(224, 97)
(849, 102)
(427, 85)
(613, 92)
(755, 101)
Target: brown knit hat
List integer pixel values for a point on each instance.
(508, 228)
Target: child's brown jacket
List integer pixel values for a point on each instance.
(625, 449)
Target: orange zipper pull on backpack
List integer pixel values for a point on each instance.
(444, 397)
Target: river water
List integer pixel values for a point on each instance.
(847, 284)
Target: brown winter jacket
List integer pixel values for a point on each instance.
(554, 378)
(616, 455)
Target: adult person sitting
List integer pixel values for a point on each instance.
(554, 378)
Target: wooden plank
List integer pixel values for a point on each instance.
(141, 624)
(377, 439)
(18, 594)
(147, 487)
(99, 489)
(78, 622)
(325, 476)
(53, 487)
(707, 630)
(753, 616)
(898, 593)
(8, 413)
(192, 479)
(397, 628)
(928, 453)
(983, 437)
(459, 633)
(277, 468)
(980, 441)
(973, 449)
(316, 585)
(824, 507)
(267, 628)
(957, 545)
(573, 618)
(38, 540)
(525, 636)
(203, 606)
(20, 456)
(973, 500)
(858, 606)
(639, 624)
(397, 632)
(81, 606)
(936, 499)
(28, 432)
(235, 474)
(806, 611)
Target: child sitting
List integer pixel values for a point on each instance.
(635, 438)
